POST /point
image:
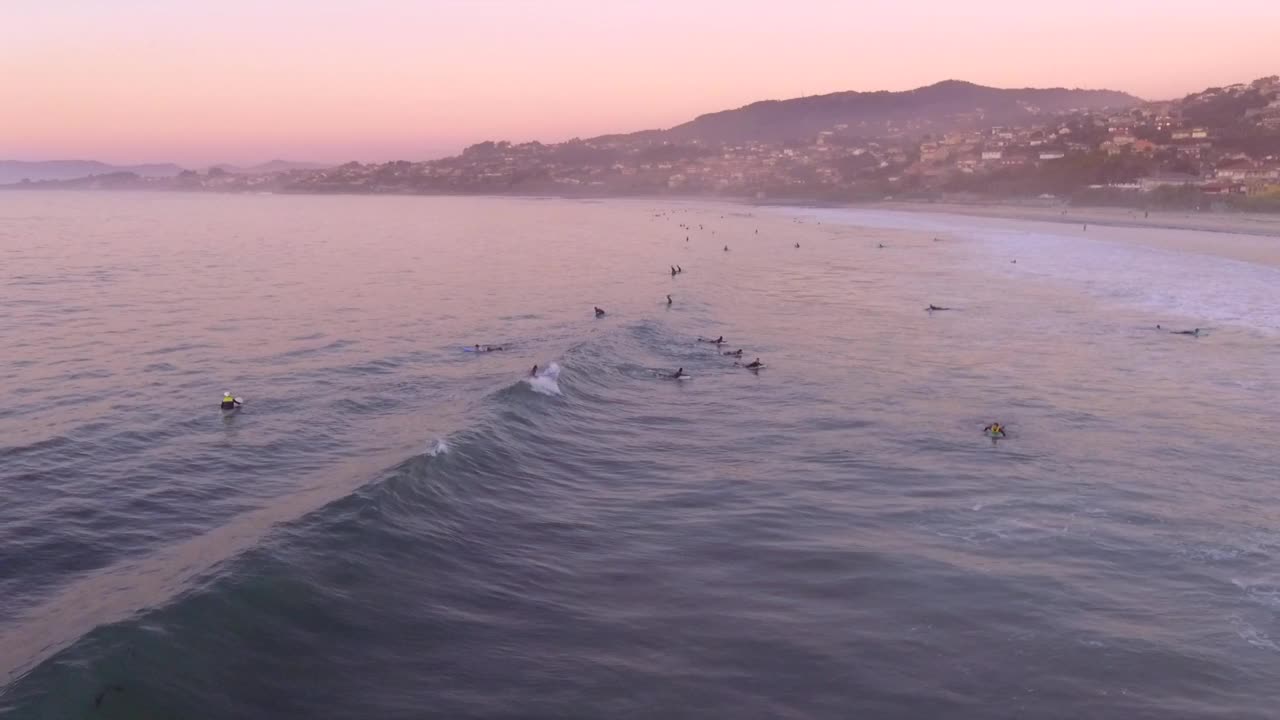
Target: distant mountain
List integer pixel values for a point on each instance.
(947, 105)
(271, 167)
(14, 171)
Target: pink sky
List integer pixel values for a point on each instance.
(334, 80)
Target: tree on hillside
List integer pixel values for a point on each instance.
(577, 152)
(855, 165)
(673, 152)
(1223, 110)
(1058, 177)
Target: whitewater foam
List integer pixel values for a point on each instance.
(547, 381)
(1174, 273)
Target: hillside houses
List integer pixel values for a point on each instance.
(1152, 147)
(1223, 141)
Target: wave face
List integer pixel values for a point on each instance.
(394, 528)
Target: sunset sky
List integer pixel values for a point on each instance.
(334, 80)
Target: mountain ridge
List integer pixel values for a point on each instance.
(14, 171)
(271, 166)
(944, 105)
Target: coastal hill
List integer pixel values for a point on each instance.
(272, 166)
(14, 171)
(944, 106)
(1216, 148)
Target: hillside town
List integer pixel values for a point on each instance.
(1220, 145)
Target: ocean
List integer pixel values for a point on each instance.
(391, 527)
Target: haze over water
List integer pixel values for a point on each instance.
(394, 528)
(243, 81)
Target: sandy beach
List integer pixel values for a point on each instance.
(1244, 223)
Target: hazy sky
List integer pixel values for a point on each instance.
(198, 81)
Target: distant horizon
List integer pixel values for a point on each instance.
(132, 82)
(202, 165)
(199, 166)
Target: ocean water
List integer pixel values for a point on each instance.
(394, 528)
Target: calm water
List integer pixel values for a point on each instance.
(393, 528)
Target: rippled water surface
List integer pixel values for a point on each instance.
(394, 528)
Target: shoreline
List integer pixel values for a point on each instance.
(1242, 223)
(1235, 222)
(1230, 237)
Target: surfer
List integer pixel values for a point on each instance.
(995, 430)
(1192, 333)
(726, 248)
(717, 341)
(599, 312)
(679, 269)
(734, 353)
(534, 371)
(229, 402)
(881, 246)
(679, 373)
(668, 301)
(673, 271)
(754, 364)
(797, 244)
(933, 307)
